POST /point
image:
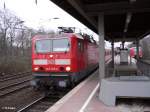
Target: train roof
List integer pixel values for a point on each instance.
(70, 35)
(39, 36)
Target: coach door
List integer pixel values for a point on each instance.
(80, 54)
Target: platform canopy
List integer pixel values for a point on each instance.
(123, 19)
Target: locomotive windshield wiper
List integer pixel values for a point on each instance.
(68, 45)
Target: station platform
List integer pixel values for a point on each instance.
(125, 69)
(85, 96)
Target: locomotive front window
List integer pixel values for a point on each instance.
(43, 46)
(61, 45)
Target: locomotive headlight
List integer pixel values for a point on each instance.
(68, 68)
(50, 56)
(36, 68)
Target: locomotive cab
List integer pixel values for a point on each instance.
(51, 59)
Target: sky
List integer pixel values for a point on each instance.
(42, 14)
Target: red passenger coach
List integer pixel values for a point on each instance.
(133, 52)
(62, 60)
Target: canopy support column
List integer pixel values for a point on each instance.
(101, 47)
(137, 48)
(112, 48)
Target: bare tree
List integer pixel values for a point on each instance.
(8, 23)
(15, 43)
(23, 40)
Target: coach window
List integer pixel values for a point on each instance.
(80, 46)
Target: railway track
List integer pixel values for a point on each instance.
(14, 76)
(14, 87)
(13, 84)
(43, 103)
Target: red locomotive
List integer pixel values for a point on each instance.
(133, 52)
(62, 60)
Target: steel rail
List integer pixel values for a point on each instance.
(14, 77)
(9, 91)
(16, 83)
(29, 105)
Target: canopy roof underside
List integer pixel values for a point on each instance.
(123, 19)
